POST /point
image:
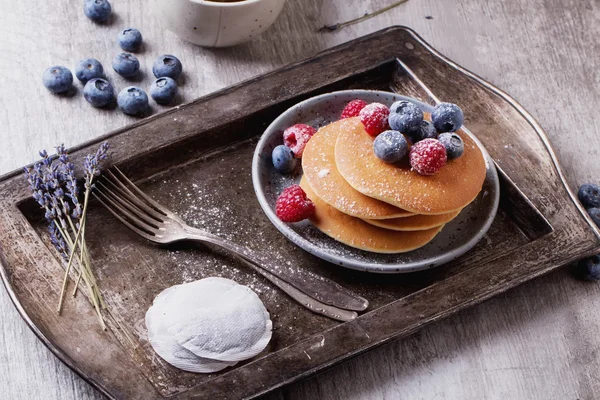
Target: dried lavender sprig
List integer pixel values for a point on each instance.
(46, 180)
(67, 183)
(91, 170)
(72, 192)
(36, 183)
(68, 188)
(58, 241)
(33, 176)
(37, 179)
(91, 164)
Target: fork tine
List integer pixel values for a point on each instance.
(124, 213)
(103, 189)
(141, 193)
(125, 222)
(126, 193)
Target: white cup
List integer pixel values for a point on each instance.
(216, 24)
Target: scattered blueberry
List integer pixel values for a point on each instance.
(390, 146)
(405, 117)
(87, 69)
(453, 143)
(126, 65)
(97, 10)
(589, 195)
(132, 100)
(98, 92)
(283, 159)
(130, 39)
(425, 131)
(167, 65)
(447, 117)
(589, 268)
(57, 79)
(595, 214)
(163, 90)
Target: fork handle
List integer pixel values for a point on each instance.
(323, 290)
(306, 301)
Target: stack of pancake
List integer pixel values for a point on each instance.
(371, 205)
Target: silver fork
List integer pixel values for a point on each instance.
(149, 219)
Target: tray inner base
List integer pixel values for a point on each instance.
(232, 212)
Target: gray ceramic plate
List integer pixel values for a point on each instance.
(456, 238)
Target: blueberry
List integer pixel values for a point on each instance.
(390, 146)
(283, 159)
(447, 117)
(163, 90)
(405, 117)
(132, 100)
(57, 79)
(453, 143)
(98, 92)
(97, 10)
(589, 268)
(126, 65)
(425, 131)
(167, 65)
(589, 195)
(87, 69)
(595, 214)
(130, 39)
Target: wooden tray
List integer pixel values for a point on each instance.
(195, 159)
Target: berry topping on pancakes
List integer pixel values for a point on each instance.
(453, 143)
(428, 156)
(425, 131)
(375, 118)
(296, 136)
(390, 146)
(447, 117)
(405, 117)
(353, 108)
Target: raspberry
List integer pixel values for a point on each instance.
(293, 205)
(296, 136)
(353, 108)
(428, 156)
(375, 118)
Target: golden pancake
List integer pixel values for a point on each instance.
(451, 189)
(414, 223)
(356, 233)
(318, 164)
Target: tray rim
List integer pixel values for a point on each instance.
(370, 266)
(530, 119)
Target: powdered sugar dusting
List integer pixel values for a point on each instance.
(324, 172)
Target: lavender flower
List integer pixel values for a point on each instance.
(58, 241)
(54, 186)
(35, 183)
(37, 167)
(61, 149)
(38, 196)
(91, 165)
(71, 189)
(45, 158)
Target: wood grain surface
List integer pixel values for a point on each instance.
(538, 341)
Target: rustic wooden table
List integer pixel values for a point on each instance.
(539, 341)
